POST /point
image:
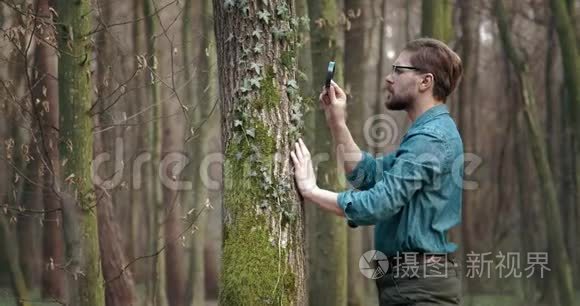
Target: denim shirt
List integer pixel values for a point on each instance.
(413, 195)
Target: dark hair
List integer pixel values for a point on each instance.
(433, 56)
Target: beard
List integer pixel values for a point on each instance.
(398, 101)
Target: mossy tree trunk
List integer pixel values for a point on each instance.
(357, 60)
(328, 247)
(436, 19)
(263, 255)
(560, 263)
(76, 146)
(53, 279)
(156, 284)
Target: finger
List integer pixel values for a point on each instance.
(338, 91)
(332, 94)
(298, 151)
(294, 158)
(303, 147)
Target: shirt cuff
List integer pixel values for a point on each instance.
(358, 177)
(344, 201)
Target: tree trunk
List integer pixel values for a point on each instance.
(53, 279)
(466, 122)
(205, 97)
(328, 252)
(263, 256)
(436, 19)
(569, 44)
(119, 284)
(356, 61)
(559, 257)
(157, 286)
(76, 145)
(12, 253)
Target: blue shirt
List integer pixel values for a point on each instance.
(412, 195)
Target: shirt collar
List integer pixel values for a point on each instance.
(430, 114)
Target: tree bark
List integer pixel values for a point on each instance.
(436, 19)
(559, 257)
(263, 256)
(76, 145)
(17, 279)
(204, 101)
(119, 284)
(53, 279)
(356, 61)
(328, 254)
(157, 283)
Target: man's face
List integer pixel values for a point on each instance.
(402, 84)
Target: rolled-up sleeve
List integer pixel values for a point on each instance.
(419, 160)
(369, 170)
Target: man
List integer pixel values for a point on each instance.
(413, 195)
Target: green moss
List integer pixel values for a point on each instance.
(287, 59)
(255, 270)
(269, 96)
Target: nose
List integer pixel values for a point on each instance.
(389, 79)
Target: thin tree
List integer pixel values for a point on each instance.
(556, 244)
(156, 286)
(328, 252)
(357, 57)
(76, 146)
(53, 278)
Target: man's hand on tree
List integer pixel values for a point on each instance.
(303, 169)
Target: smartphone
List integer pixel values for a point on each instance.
(330, 73)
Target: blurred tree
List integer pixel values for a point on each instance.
(119, 284)
(53, 279)
(263, 255)
(76, 143)
(563, 12)
(466, 121)
(556, 245)
(328, 252)
(357, 49)
(202, 110)
(157, 283)
(436, 19)
(17, 279)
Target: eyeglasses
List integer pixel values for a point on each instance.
(398, 69)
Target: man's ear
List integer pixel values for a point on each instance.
(427, 81)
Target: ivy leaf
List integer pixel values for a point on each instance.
(256, 67)
(237, 123)
(292, 84)
(245, 87)
(251, 132)
(264, 16)
(257, 33)
(229, 4)
(255, 82)
(282, 10)
(238, 155)
(258, 48)
(279, 33)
